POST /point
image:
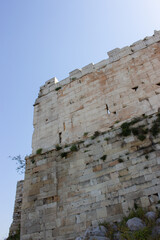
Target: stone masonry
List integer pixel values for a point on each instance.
(94, 97)
(100, 179)
(86, 166)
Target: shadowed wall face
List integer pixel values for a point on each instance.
(94, 98)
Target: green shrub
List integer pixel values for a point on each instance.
(73, 79)
(139, 212)
(141, 137)
(85, 134)
(32, 160)
(117, 122)
(106, 139)
(63, 154)
(126, 131)
(96, 134)
(15, 236)
(88, 145)
(155, 129)
(135, 131)
(74, 148)
(39, 151)
(135, 120)
(143, 234)
(58, 147)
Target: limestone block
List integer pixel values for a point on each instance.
(126, 206)
(87, 69)
(145, 202)
(101, 64)
(153, 39)
(135, 224)
(125, 52)
(151, 215)
(101, 213)
(51, 81)
(138, 45)
(81, 218)
(113, 52)
(77, 73)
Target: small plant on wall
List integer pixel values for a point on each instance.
(39, 151)
(74, 148)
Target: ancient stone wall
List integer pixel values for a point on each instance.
(15, 226)
(100, 178)
(96, 96)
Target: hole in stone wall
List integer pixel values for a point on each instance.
(135, 88)
(71, 101)
(46, 119)
(108, 112)
(114, 112)
(158, 84)
(60, 137)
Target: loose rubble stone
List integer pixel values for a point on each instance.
(97, 238)
(117, 236)
(150, 215)
(135, 224)
(158, 221)
(98, 231)
(156, 231)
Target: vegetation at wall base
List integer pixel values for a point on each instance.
(146, 233)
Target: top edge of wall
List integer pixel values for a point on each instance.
(114, 55)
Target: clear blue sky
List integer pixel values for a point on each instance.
(40, 39)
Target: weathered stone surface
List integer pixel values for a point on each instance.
(135, 224)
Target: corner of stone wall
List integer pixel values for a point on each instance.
(15, 226)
